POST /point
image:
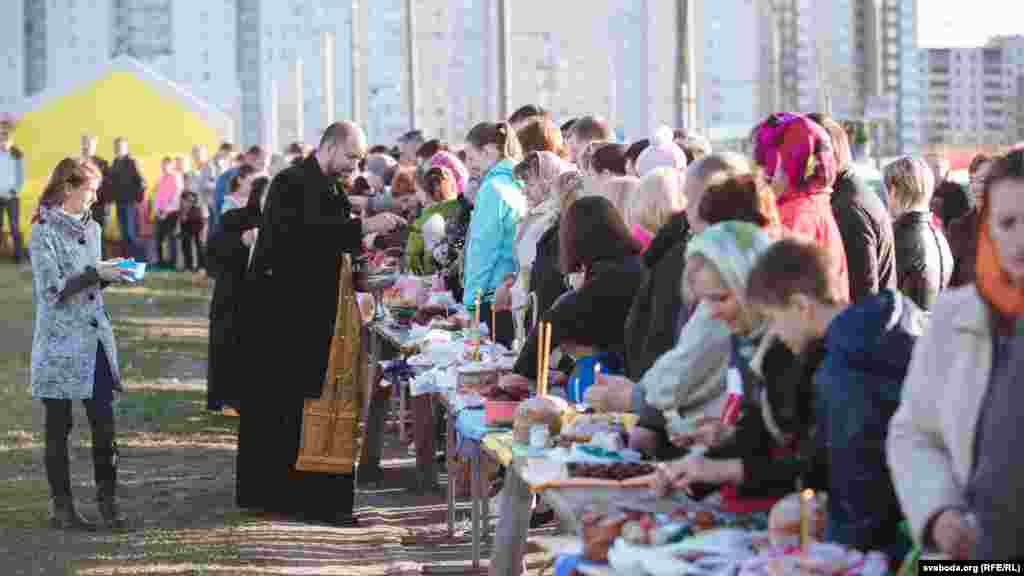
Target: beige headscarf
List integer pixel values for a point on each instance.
(544, 215)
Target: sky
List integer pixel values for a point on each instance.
(967, 22)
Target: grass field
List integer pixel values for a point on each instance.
(176, 470)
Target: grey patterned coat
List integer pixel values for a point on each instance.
(70, 319)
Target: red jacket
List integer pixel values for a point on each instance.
(811, 216)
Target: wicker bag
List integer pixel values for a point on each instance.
(330, 424)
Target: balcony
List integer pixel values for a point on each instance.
(939, 70)
(993, 71)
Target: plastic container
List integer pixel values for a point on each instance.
(500, 412)
(133, 271)
(583, 377)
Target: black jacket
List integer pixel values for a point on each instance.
(924, 261)
(593, 316)
(866, 229)
(955, 202)
(658, 309)
(546, 278)
(307, 226)
(788, 387)
(127, 186)
(230, 318)
(99, 207)
(963, 241)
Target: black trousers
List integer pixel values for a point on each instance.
(99, 409)
(192, 249)
(10, 208)
(165, 231)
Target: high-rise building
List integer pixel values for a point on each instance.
(737, 62)
(971, 95)
(1013, 53)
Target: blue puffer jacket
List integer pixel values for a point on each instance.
(490, 252)
(858, 389)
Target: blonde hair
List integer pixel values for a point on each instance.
(620, 191)
(910, 183)
(660, 197)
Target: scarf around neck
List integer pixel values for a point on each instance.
(993, 283)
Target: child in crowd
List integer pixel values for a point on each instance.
(857, 385)
(192, 223)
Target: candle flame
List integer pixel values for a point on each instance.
(807, 494)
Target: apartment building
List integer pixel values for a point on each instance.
(971, 96)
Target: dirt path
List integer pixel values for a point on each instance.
(177, 468)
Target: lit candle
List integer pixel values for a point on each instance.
(806, 497)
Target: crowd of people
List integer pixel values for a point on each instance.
(771, 307)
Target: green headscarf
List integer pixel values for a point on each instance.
(733, 248)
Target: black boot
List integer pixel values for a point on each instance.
(110, 513)
(63, 515)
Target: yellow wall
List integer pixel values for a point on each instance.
(119, 104)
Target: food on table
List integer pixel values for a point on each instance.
(818, 559)
(784, 520)
(636, 533)
(539, 410)
(508, 394)
(703, 520)
(426, 315)
(599, 531)
(611, 471)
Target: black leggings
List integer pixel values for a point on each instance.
(100, 412)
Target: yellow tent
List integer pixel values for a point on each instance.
(158, 117)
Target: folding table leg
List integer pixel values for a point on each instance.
(450, 453)
(403, 412)
(476, 490)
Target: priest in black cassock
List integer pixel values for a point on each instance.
(307, 226)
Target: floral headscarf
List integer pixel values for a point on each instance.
(801, 148)
(733, 248)
(450, 161)
(544, 215)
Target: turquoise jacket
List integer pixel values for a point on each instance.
(490, 255)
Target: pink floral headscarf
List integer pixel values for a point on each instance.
(800, 148)
(450, 161)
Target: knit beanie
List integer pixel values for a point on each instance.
(662, 152)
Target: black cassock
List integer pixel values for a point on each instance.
(227, 260)
(307, 226)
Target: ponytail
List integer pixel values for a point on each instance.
(501, 135)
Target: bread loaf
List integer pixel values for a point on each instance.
(546, 410)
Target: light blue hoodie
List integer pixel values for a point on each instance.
(490, 251)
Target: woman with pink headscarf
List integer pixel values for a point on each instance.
(795, 155)
(443, 185)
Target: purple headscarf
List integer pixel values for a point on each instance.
(450, 161)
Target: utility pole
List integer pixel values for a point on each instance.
(411, 61)
(357, 82)
(504, 37)
(327, 70)
(686, 96)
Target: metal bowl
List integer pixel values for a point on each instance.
(376, 282)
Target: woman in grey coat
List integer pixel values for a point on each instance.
(73, 352)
